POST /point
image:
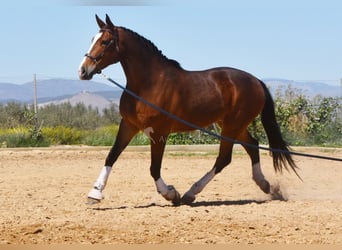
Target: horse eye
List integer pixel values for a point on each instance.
(105, 43)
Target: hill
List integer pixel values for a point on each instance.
(61, 90)
(309, 88)
(88, 99)
(52, 89)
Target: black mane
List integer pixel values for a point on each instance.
(153, 48)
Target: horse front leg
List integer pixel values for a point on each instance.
(124, 136)
(157, 151)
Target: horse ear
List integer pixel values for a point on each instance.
(109, 22)
(100, 22)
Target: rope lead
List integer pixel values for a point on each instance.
(220, 137)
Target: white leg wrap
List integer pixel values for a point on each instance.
(199, 185)
(258, 176)
(103, 177)
(100, 184)
(161, 187)
(95, 194)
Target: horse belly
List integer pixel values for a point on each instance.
(201, 112)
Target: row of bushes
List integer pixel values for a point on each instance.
(59, 135)
(77, 116)
(303, 121)
(104, 136)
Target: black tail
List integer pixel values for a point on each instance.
(281, 158)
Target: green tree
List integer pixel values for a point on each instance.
(111, 115)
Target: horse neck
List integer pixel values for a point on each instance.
(140, 64)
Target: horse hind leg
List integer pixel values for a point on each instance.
(223, 159)
(253, 153)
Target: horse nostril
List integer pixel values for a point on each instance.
(82, 72)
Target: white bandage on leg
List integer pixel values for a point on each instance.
(103, 177)
(95, 194)
(161, 187)
(258, 176)
(99, 185)
(199, 185)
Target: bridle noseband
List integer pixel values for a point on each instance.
(114, 40)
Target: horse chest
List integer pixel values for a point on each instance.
(136, 112)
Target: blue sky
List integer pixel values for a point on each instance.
(295, 40)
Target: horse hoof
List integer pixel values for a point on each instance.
(265, 187)
(187, 199)
(177, 200)
(92, 201)
(277, 194)
(172, 195)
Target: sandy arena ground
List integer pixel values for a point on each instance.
(43, 199)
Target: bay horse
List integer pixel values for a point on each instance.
(229, 97)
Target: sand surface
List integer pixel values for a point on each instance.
(43, 199)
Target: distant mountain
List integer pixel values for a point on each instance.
(309, 88)
(49, 89)
(86, 98)
(9, 92)
(55, 90)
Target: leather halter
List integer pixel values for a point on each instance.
(114, 40)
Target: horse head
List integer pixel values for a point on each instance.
(103, 51)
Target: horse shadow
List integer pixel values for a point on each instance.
(195, 204)
(227, 203)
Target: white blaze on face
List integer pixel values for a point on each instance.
(95, 39)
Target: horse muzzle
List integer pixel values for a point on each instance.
(86, 73)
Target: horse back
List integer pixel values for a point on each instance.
(221, 91)
(199, 97)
